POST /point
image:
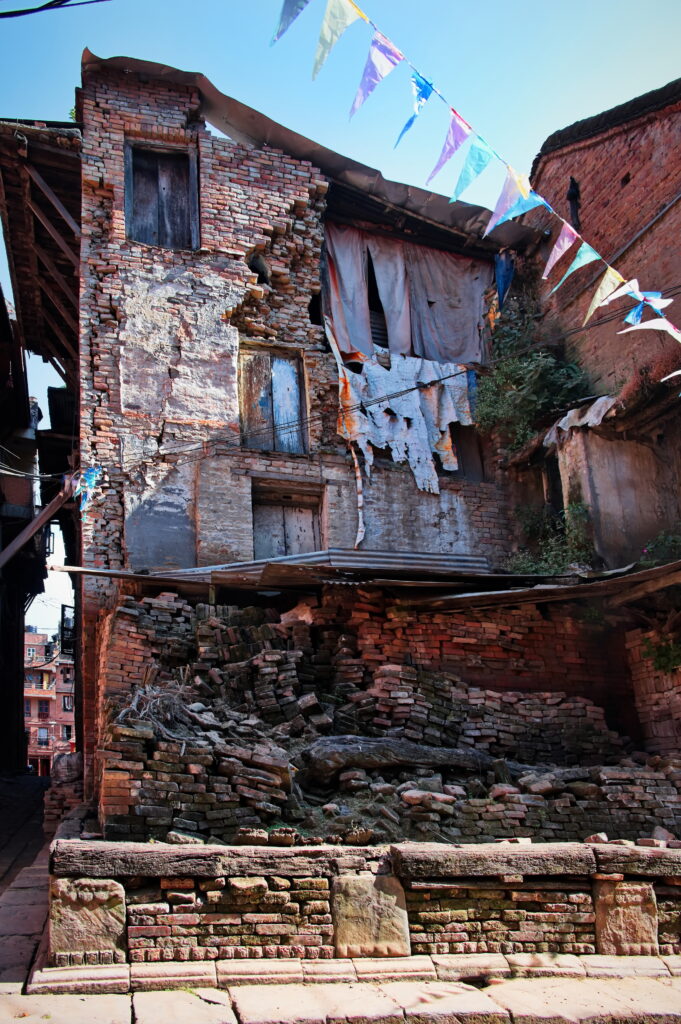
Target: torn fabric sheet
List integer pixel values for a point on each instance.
(591, 415)
(413, 423)
(433, 301)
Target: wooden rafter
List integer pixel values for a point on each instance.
(56, 329)
(66, 315)
(54, 234)
(57, 275)
(53, 198)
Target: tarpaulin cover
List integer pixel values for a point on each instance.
(414, 423)
(433, 301)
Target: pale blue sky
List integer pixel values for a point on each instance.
(516, 72)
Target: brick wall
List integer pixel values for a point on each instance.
(160, 332)
(657, 695)
(627, 175)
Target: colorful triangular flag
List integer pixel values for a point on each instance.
(289, 12)
(512, 201)
(628, 288)
(565, 239)
(659, 324)
(457, 134)
(338, 16)
(423, 90)
(477, 158)
(383, 57)
(585, 255)
(610, 281)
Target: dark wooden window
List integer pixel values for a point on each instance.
(272, 404)
(161, 197)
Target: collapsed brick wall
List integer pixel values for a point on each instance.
(259, 691)
(657, 695)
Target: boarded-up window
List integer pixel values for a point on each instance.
(467, 448)
(285, 520)
(161, 200)
(272, 407)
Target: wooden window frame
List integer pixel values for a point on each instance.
(294, 356)
(150, 146)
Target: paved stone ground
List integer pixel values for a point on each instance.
(482, 989)
(21, 831)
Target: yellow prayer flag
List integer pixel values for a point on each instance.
(611, 280)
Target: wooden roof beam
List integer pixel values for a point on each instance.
(38, 179)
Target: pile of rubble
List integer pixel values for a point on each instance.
(240, 722)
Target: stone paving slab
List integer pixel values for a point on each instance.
(35, 896)
(545, 965)
(201, 1006)
(444, 1003)
(65, 1009)
(598, 966)
(672, 963)
(318, 1004)
(22, 920)
(589, 1000)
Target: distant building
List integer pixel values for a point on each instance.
(48, 701)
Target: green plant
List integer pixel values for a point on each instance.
(525, 384)
(555, 541)
(665, 653)
(665, 547)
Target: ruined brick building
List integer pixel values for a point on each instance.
(295, 622)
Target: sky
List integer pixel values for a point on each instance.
(515, 72)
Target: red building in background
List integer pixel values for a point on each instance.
(48, 701)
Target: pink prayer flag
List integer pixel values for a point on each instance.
(510, 194)
(383, 57)
(565, 239)
(456, 136)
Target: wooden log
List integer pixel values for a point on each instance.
(333, 754)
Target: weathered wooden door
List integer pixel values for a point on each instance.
(284, 530)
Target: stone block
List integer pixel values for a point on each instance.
(545, 965)
(626, 918)
(459, 966)
(93, 980)
(87, 915)
(444, 1002)
(598, 966)
(369, 916)
(258, 972)
(197, 1006)
(157, 976)
(329, 971)
(413, 968)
